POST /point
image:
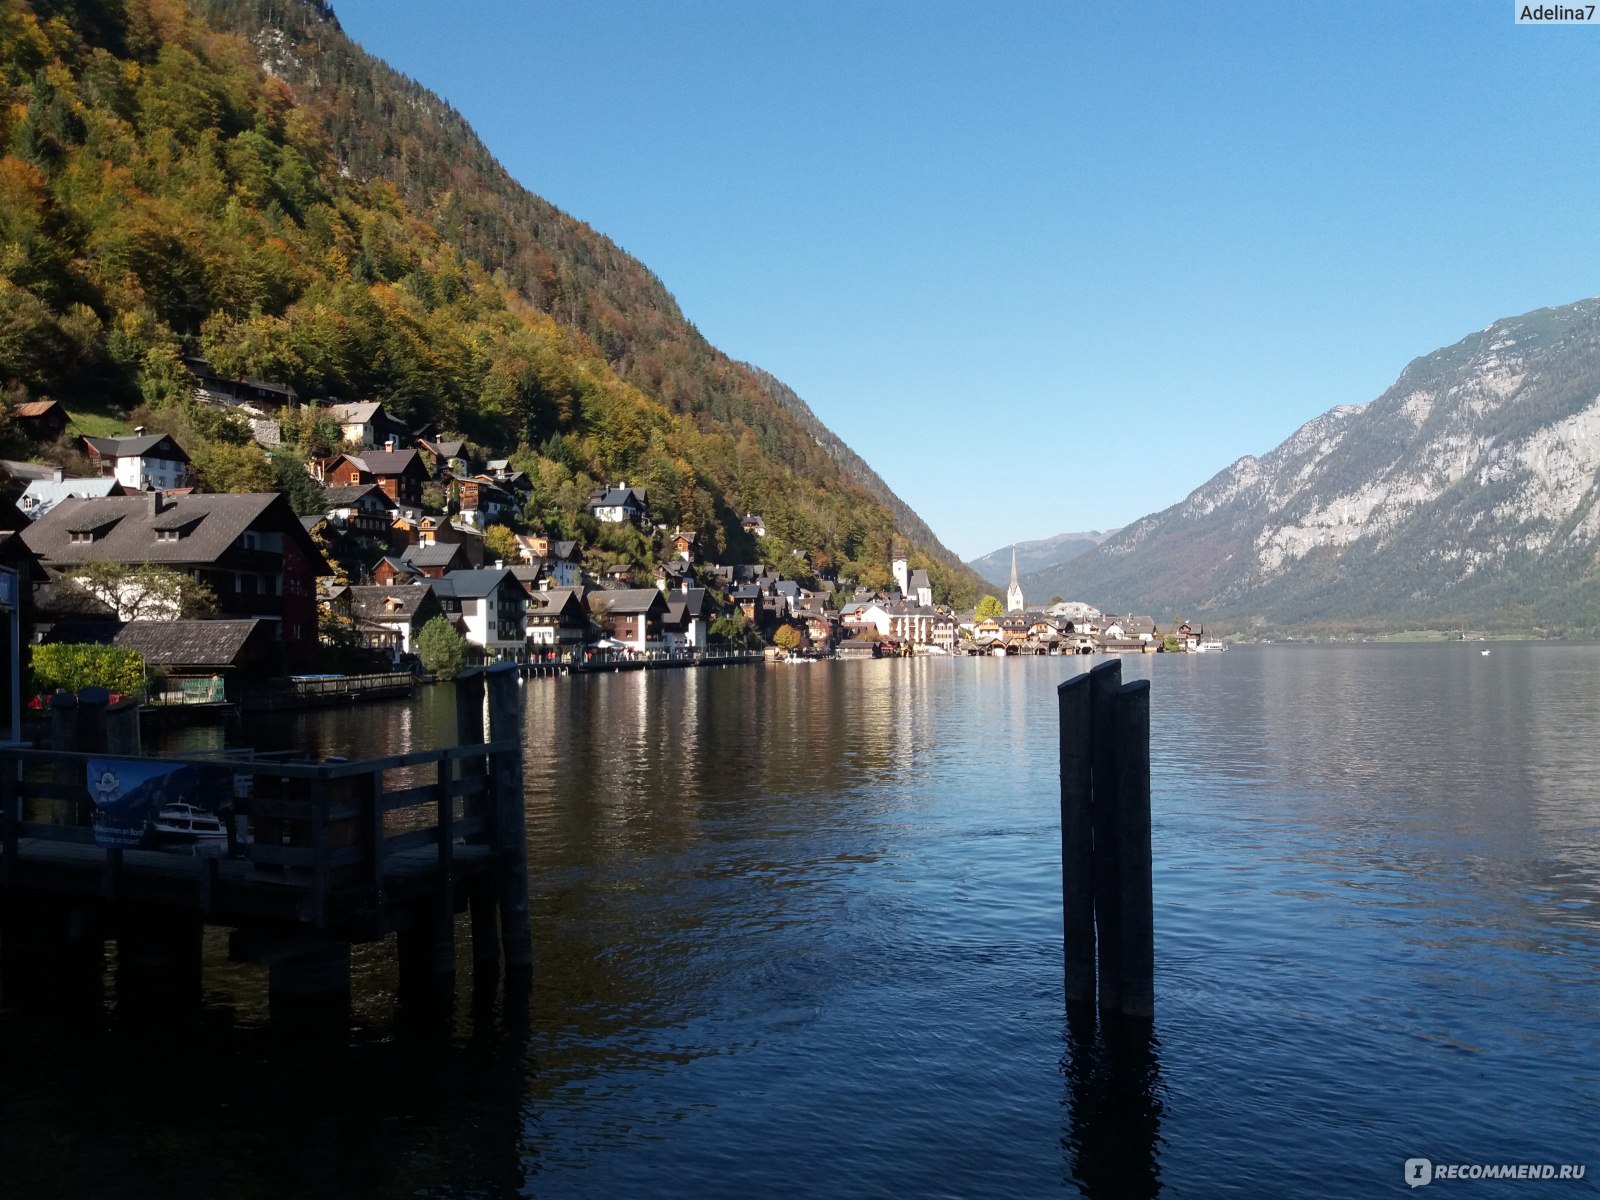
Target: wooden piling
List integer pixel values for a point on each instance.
(1104, 682)
(158, 960)
(1077, 840)
(511, 835)
(1131, 722)
(1106, 877)
(310, 984)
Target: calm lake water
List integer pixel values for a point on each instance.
(798, 932)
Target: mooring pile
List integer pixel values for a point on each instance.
(1106, 892)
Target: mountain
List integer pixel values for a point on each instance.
(1036, 556)
(1466, 492)
(237, 179)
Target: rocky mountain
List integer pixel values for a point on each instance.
(1036, 556)
(1466, 492)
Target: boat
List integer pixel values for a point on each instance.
(1211, 647)
(181, 823)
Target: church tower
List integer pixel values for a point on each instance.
(1014, 592)
(898, 564)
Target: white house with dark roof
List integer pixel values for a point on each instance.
(493, 607)
(142, 462)
(615, 505)
(687, 623)
(920, 590)
(364, 424)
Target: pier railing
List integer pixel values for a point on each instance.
(321, 844)
(301, 860)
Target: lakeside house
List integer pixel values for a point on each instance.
(250, 549)
(491, 606)
(631, 616)
(556, 619)
(389, 618)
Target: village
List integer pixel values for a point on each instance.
(369, 572)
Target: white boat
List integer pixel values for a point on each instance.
(180, 822)
(1211, 647)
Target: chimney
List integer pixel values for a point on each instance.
(155, 502)
(499, 564)
(57, 475)
(138, 431)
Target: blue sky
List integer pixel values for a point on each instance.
(1048, 267)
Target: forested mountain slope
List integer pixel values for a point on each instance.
(235, 178)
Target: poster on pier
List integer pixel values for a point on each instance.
(158, 805)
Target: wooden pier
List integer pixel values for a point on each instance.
(318, 857)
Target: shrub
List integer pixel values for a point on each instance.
(71, 666)
(442, 648)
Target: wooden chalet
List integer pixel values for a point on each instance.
(40, 420)
(399, 474)
(250, 549)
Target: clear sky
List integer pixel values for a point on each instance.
(1048, 266)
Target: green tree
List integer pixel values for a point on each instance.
(988, 606)
(290, 477)
(142, 591)
(73, 667)
(735, 631)
(221, 467)
(500, 543)
(442, 648)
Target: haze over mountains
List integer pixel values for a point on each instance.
(1467, 492)
(1036, 556)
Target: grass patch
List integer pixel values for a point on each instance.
(88, 419)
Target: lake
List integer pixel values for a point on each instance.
(798, 932)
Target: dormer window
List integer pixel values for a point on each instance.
(168, 535)
(81, 537)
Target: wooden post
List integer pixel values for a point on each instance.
(1077, 840)
(1137, 964)
(158, 959)
(310, 986)
(485, 934)
(510, 819)
(1104, 682)
(63, 772)
(444, 918)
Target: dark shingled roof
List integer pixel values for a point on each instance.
(440, 554)
(131, 447)
(343, 495)
(373, 603)
(388, 462)
(626, 600)
(186, 643)
(129, 525)
(480, 582)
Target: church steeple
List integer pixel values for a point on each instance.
(1014, 592)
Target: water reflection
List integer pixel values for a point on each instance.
(1113, 1132)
